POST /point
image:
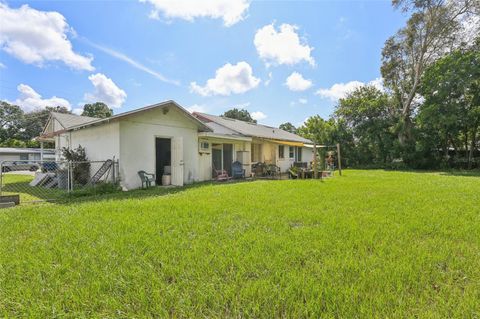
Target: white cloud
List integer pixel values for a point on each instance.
(132, 62)
(231, 11)
(378, 83)
(258, 115)
(35, 37)
(302, 101)
(197, 108)
(105, 91)
(296, 82)
(270, 77)
(228, 79)
(2, 66)
(340, 90)
(283, 46)
(78, 111)
(30, 100)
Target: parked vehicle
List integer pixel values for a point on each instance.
(19, 166)
(49, 167)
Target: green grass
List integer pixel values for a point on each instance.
(19, 184)
(368, 244)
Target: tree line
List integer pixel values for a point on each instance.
(19, 128)
(428, 114)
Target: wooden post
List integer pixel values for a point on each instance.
(315, 168)
(339, 158)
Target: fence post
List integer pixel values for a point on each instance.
(1, 177)
(68, 177)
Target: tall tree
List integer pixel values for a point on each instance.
(239, 114)
(450, 115)
(431, 31)
(368, 113)
(289, 127)
(98, 109)
(328, 133)
(11, 120)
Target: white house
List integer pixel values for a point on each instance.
(163, 135)
(25, 154)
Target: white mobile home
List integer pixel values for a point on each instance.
(25, 154)
(165, 136)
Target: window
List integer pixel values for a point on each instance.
(24, 157)
(291, 152)
(299, 154)
(281, 151)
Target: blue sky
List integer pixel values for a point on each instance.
(131, 54)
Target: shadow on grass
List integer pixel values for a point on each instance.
(456, 172)
(155, 191)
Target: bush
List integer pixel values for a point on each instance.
(80, 164)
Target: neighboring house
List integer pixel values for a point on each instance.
(25, 154)
(260, 143)
(165, 136)
(59, 123)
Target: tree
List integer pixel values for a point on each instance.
(318, 130)
(289, 127)
(239, 114)
(11, 118)
(450, 115)
(368, 113)
(431, 31)
(329, 133)
(98, 109)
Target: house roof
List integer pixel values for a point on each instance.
(200, 124)
(15, 150)
(71, 120)
(219, 123)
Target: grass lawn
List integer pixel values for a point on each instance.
(368, 244)
(19, 184)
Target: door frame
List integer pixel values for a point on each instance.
(155, 152)
(221, 157)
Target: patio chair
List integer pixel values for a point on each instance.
(259, 169)
(221, 175)
(237, 170)
(146, 178)
(273, 170)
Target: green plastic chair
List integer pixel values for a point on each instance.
(146, 178)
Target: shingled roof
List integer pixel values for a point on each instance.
(71, 120)
(248, 129)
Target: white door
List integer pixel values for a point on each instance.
(177, 161)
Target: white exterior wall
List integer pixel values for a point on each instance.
(286, 162)
(31, 157)
(137, 144)
(100, 142)
(61, 140)
(9, 157)
(307, 154)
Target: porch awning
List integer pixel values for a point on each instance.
(288, 143)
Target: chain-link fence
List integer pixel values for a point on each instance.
(52, 180)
